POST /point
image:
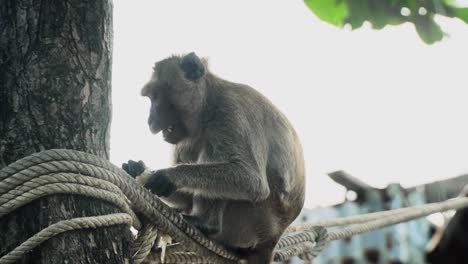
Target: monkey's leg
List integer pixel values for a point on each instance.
(204, 227)
(180, 202)
(207, 215)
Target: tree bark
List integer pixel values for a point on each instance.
(55, 87)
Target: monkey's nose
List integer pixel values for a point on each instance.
(153, 127)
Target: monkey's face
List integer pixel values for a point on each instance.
(175, 96)
(164, 114)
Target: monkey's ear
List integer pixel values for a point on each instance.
(192, 67)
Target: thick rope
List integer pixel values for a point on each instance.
(373, 221)
(307, 244)
(185, 257)
(71, 184)
(17, 175)
(73, 172)
(408, 214)
(363, 218)
(63, 226)
(142, 245)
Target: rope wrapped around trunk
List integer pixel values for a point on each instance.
(73, 172)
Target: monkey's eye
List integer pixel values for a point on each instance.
(154, 96)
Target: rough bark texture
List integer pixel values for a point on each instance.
(55, 72)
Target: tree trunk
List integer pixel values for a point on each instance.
(55, 81)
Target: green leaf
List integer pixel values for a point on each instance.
(358, 12)
(388, 12)
(331, 11)
(450, 9)
(413, 5)
(461, 13)
(428, 30)
(398, 3)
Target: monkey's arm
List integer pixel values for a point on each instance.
(226, 180)
(229, 167)
(231, 163)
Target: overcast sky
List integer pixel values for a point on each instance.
(381, 105)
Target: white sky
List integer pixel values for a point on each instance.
(380, 105)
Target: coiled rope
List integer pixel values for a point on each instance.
(73, 172)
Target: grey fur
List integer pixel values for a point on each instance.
(239, 169)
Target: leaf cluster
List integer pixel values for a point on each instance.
(380, 13)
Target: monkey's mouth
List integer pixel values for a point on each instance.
(174, 133)
(168, 131)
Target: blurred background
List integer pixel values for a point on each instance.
(383, 105)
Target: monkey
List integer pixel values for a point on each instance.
(238, 171)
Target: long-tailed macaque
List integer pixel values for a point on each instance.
(238, 171)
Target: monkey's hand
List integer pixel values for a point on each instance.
(160, 184)
(134, 168)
